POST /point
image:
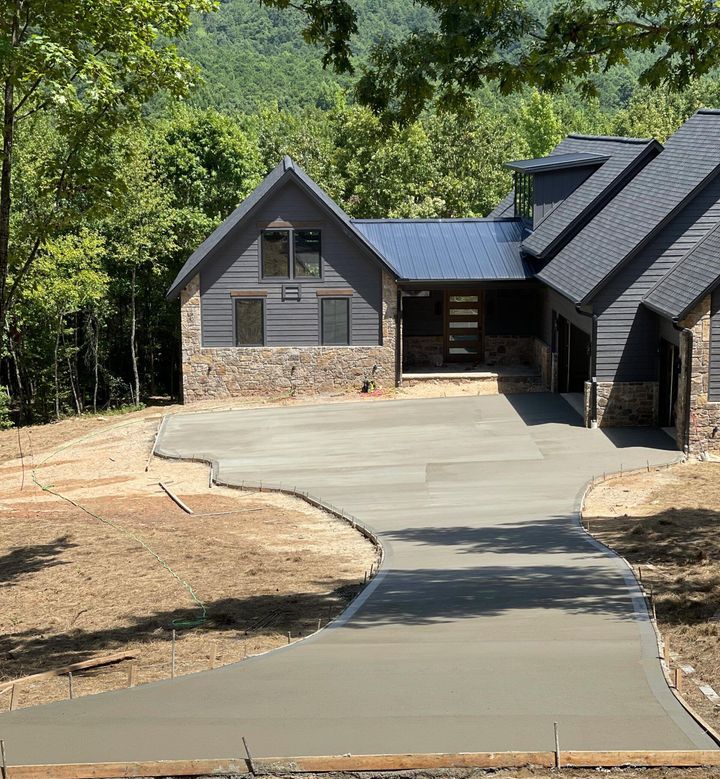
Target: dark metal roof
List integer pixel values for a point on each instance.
(449, 249)
(697, 273)
(285, 170)
(556, 161)
(689, 160)
(623, 157)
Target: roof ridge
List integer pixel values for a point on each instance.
(615, 138)
(434, 220)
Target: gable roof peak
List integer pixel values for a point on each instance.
(288, 162)
(611, 138)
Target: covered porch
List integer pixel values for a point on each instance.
(483, 332)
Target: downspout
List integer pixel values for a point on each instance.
(593, 365)
(687, 334)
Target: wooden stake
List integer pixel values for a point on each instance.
(319, 622)
(132, 675)
(557, 745)
(13, 698)
(70, 685)
(678, 679)
(175, 498)
(288, 636)
(213, 654)
(172, 657)
(249, 756)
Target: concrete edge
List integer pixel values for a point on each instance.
(375, 577)
(636, 585)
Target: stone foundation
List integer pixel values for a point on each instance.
(210, 372)
(509, 349)
(624, 403)
(423, 350)
(703, 435)
(542, 358)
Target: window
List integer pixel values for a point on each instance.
(335, 321)
(306, 253)
(275, 253)
(249, 322)
(524, 196)
(276, 247)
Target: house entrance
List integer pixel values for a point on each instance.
(669, 380)
(574, 355)
(464, 318)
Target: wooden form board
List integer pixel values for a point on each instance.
(359, 763)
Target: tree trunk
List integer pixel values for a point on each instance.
(8, 132)
(133, 349)
(57, 382)
(96, 361)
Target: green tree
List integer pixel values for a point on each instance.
(90, 68)
(540, 124)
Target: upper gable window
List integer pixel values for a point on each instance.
(524, 196)
(275, 254)
(306, 253)
(290, 254)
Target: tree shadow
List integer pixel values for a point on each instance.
(427, 596)
(554, 535)
(26, 560)
(43, 647)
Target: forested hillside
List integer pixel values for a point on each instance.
(251, 54)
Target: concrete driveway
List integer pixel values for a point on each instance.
(492, 617)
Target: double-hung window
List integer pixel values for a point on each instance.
(335, 321)
(290, 253)
(249, 322)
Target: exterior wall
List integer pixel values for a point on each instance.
(550, 189)
(703, 435)
(508, 349)
(224, 372)
(542, 358)
(236, 266)
(627, 334)
(419, 350)
(621, 404)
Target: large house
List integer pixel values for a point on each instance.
(600, 271)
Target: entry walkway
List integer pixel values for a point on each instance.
(492, 617)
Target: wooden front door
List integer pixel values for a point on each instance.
(464, 326)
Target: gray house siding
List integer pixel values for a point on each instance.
(236, 267)
(554, 301)
(627, 336)
(714, 368)
(550, 189)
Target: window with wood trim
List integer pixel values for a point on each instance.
(335, 321)
(249, 322)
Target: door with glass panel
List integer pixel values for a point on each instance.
(464, 321)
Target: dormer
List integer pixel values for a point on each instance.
(542, 184)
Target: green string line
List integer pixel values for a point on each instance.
(180, 623)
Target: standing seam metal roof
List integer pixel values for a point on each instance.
(690, 158)
(697, 273)
(447, 250)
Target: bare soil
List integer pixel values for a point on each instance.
(79, 577)
(666, 524)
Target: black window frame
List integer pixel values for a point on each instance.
(334, 298)
(524, 196)
(291, 254)
(263, 309)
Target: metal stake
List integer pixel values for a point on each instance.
(249, 756)
(172, 658)
(70, 684)
(557, 745)
(3, 762)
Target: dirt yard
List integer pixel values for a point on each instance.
(666, 523)
(79, 577)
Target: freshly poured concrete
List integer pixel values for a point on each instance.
(493, 616)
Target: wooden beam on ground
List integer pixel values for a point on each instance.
(175, 498)
(83, 665)
(370, 763)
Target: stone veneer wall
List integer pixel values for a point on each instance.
(543, 360)
(213, 372)
(704, 433)
(625, 403)
(423, 350)
(508, 349)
